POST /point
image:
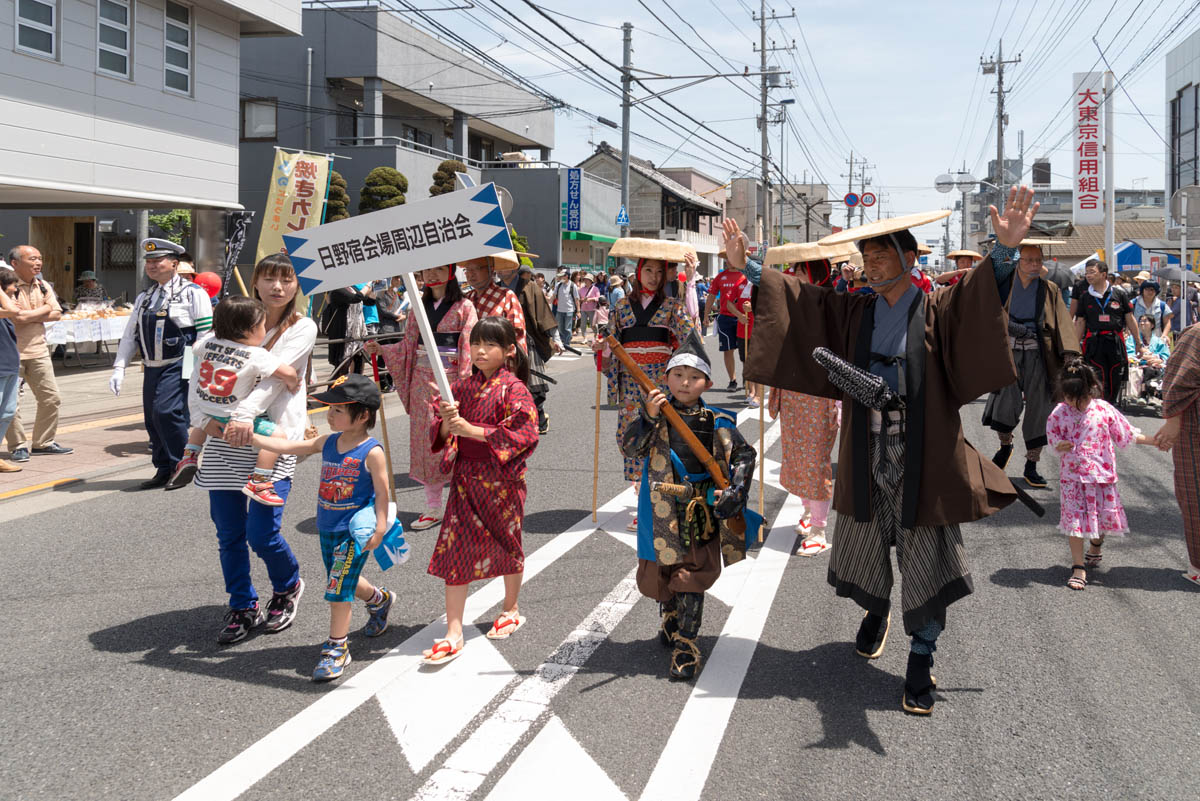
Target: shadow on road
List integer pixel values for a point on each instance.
(1150, 579)
(184, 640)
(553, 521)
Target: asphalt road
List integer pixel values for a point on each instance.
(116, 689)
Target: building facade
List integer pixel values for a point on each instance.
(1182, 130)
(382, 93)
(112, 105)
(661, 207)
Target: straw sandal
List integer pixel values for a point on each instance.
(443, 651)
(505, 626)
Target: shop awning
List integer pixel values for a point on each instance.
(25, 193)
(586, 237)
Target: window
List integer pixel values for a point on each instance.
(36, 27)
(114, 20)
(421, 140)
(258, 119)
(177, 53)
(1183, 163)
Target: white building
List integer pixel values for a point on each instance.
(1182, 85)
(117, 104)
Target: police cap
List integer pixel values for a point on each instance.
(157, 248)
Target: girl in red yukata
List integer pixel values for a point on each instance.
(1084, 429)
(485, 437)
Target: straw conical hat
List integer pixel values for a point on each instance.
(954, 254)
(888, 226)
(1040, 242)
(847, 251)
(923, 249)
(509, 259)
(797, 251)
(663, 249)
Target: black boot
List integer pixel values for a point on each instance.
(872, 634)
(1032, 477)
(918, 685)
(685, 660)
(160, 479)
(1001, 457)
(670, 622)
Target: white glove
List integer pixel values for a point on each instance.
(115, 381)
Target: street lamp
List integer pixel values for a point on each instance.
(963, 181)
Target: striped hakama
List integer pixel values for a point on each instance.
(933, 564)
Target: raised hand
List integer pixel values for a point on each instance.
(735, 245)
(1011, 226)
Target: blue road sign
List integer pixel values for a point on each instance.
(622, 217)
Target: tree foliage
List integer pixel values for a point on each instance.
(520, 245)
(383, 188)
(175, 224)
(443, 177)
(337, 207)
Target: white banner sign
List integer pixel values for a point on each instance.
(1088, 154)
(442, 230)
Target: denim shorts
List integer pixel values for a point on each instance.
(343, 564)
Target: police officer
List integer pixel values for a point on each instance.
(166, 320)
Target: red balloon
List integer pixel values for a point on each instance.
(210, 282)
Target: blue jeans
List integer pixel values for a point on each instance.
(565, 323)
(8, 401)
(241, 522)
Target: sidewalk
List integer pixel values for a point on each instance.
(107, 433)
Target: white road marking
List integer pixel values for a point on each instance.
(697, 735)
(554, 747)
(470, 764)
(249, 767)
(429, 711)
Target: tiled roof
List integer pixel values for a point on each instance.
(646, 169)
(1089, 239)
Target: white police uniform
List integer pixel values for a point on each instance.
(166, 320)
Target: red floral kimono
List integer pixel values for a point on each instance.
(481, 533)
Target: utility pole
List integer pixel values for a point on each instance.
(762, 21)
(946, 245)
(850, 188)
(1110, 208)
(626, 79)
(996, 66)
(863, 182)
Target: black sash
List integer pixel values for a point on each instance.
(645, 333)
(446, 339)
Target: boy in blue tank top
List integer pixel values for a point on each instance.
(353, 476)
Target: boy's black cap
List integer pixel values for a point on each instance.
(353, 388)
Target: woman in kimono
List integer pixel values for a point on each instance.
(485, 437)
(1181, 408)
(451, 317)
(650, 326)
(809, 424)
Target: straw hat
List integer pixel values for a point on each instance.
(185, 268)
(661, 249)
(1144, 275)
(888, 226)
(923, 249)
(797, 251)
(954, 254)
(1041, 242)
(847, 251)
(509, 259)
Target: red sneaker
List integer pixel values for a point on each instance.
(185, 471)
(263, 492)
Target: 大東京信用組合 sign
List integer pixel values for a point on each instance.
(442, 230)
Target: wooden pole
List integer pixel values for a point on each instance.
(762, 454)
(387, 447)
(431, 350)
(241, 284)
(596, 445)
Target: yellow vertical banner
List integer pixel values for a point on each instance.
(295, 201)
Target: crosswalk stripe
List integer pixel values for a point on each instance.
(249, 767)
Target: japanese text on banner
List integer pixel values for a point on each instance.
(1087, 155)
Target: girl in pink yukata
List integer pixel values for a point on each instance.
(1083, 430)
